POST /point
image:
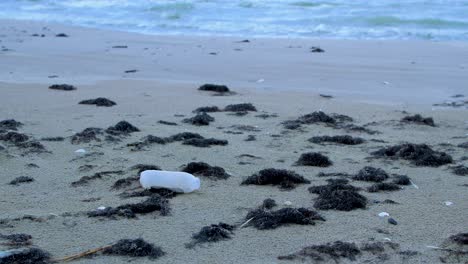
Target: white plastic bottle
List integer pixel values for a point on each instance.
(173, 180)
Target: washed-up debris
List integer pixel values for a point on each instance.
(250, 138)
(383, 214)
(316, 50)
(333, 174)
(167, 123)
(207, 109)
(326, 96)
(53, 139)
(87, 135)
(401, 180)
(392, 221)
(147, 141)
(263, 219)
(268, 204)
(266, 115)
(418, 119)
(284, 178)
(61, 35)
(32, 146)
(184, 136)
(153, 203)
(201, 119)
(25, 256)
(460, 170)
(131, 71)
(122, 128)
(98, 175)
(16, 240)
(100, 101)
(163, 192)
(173, 180)
(313, 159)
(62, 87)
(14, 137)
(21, 179)
(345, 140)
(205, 142)
(80, 151)
(371, 174)
(10, 124)
(245, 107)
(134, 248)
(448, 203)
(463, 145)
(338, 195)
(206, 170)
(214, 88)
(326, 253)
(124, 247)
(120, 47)
(383, 186)
(418, 154)
(212, 233)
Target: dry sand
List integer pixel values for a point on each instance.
(372, 81)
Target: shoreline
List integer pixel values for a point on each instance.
(374, 71)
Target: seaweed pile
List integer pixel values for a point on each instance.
(418, 154)
(153, 203)
(21, 179)
(206, 170)
(100, 101)
(345, 140)
(212, 233)
(62, 87)
(218, 89)
(418, 119)
(313, 159)
(371, 174)
(9, 135)
(338, 195)
(324, 253)
(134, 248)
(284, 178)
(201, 119)
(265, 219)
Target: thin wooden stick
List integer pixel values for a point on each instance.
(246, 222)
(82, 254)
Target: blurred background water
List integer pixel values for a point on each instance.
(341, 19)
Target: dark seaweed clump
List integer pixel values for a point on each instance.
(98, 175)
(184, 136)
(87, 135)
(284, 178)
(371, 174)
(313, 159)
(263, 219)
(153, 203)
(147, 141)
(167, 123)
(345, 140)
(62, 87)
(214, 88)
(418, 154)
(317, 117)
(21, 179)
(401, 180)
(463, 145)
(245, 107)
(338, 195)
(212, 233)
(14, 137)
(330, 251)
(163, 192)
(204, 169)
(207, 109)
(10, 124)
(201, 119)
(205, 142)
(53, 139)
(268, 204)
(418, 119)
(460, 239)
(122, 128)
(17, 239)
(100, 101)
(384, 186)
(26, 256)
(134, 248)
(460, 170)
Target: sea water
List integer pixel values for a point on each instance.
(342, 19)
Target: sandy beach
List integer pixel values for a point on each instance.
(154, 78)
